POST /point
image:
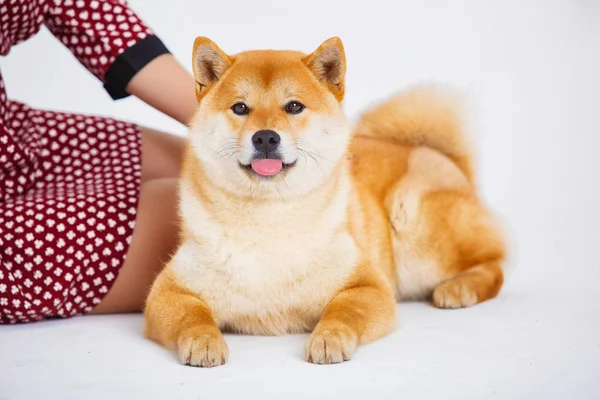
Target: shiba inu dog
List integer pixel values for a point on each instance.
(294, 221)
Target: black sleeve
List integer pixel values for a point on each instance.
(130, 62)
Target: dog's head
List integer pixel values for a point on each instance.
(270, 123)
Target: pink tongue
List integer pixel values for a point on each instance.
(267, 167)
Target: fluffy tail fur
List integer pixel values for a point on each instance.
(424, 115)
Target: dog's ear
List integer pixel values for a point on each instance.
(328, 63)
(209, 64)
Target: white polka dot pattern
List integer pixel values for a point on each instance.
(96, 31)
(63, 241)
(69, 184)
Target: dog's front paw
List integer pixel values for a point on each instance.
(330, 344)
(203, 347)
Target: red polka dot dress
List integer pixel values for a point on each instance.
(69, 183)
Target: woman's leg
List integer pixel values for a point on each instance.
(156, 232)
(154, 240)
(161, 154)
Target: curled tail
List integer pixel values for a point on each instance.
(424, 115)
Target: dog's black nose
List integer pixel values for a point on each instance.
(266, 141)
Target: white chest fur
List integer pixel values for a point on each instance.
(266, 270)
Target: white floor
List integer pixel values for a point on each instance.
(528, 344)
(534, 71)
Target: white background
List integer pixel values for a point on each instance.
(533, 71)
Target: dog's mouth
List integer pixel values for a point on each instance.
(267, 167)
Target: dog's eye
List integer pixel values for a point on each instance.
(294, 107)
(240, 109)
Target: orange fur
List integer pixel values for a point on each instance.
(361, 218)
(439, 223)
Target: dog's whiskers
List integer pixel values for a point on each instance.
(208, 135)
(309, 147)
(309, 154)
(230, 148)
(279, 192)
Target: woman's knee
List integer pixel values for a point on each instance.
(162, 154)
(158, 204)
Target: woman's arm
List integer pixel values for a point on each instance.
(165, 85)
(117, 46)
